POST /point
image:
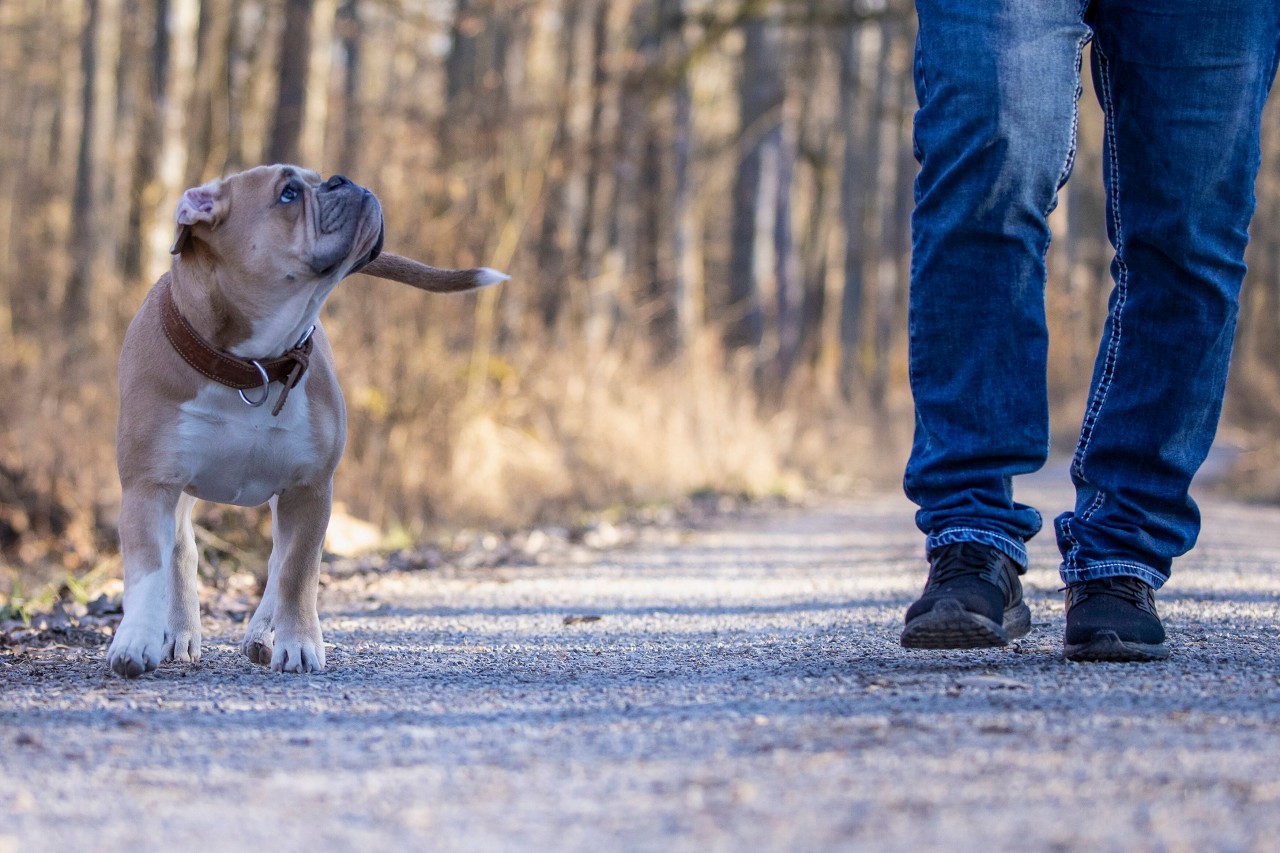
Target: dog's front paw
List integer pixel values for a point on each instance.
(257, 648)
(298, 651)
(182, 645)
(257, 642)
(137, 648)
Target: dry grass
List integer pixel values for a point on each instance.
(544, 434)
(440, 436)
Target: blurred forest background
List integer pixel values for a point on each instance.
(703, 204)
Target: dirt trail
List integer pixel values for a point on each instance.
(733, 688)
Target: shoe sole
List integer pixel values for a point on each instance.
(947, 625)
(1107, 647)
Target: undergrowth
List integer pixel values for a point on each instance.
(438, 439)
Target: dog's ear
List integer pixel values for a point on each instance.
(198, 204)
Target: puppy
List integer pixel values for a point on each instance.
(228, 394)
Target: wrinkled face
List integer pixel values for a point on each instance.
(283, 224)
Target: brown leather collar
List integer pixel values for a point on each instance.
(243, 374)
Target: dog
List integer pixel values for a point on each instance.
(228, 394)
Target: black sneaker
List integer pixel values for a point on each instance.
(1113, 619)
(973, 600)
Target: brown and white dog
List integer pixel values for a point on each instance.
(228, 394)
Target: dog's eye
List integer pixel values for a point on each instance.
(288, 195)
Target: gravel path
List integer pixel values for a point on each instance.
(734, 688)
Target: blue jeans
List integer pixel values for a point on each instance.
(1182, 85)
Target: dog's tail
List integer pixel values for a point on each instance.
(431, 279)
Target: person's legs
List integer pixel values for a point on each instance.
(998, 83)
(1182, 85)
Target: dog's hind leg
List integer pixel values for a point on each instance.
(259, 641)
(147, 545)
(182, 630)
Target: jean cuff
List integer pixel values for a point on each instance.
(1111, 569)
(1011, 548)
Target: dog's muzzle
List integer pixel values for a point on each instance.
(341, 207)
(336, 197)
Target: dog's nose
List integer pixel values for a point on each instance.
(336, 181)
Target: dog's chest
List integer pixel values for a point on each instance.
(236, 454)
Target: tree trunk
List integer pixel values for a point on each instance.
(475, 76)
(180, 31)
(461, 64)
(553, 239)
(351, 36)
(599, 230)
(788, 295)
(683, 295)
(75, 300)
(663, 190)
(861, 143)
(315, 115)
(814, 151)
(760, 97)
(208, 150)
(292, 75)
(888, 211)
(150, 92)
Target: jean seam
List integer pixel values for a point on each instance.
(1108, 569)
(918, 62)
(1013, 543)
(1275, 62)
(1073, 140)
(1117, 325)
(1069, 160)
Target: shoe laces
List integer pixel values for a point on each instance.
(957, 561)
(1125, 588)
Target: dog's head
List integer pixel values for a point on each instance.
(282, 220)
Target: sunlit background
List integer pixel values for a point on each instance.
(703, 206)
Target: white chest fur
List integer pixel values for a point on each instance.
(232, 453)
